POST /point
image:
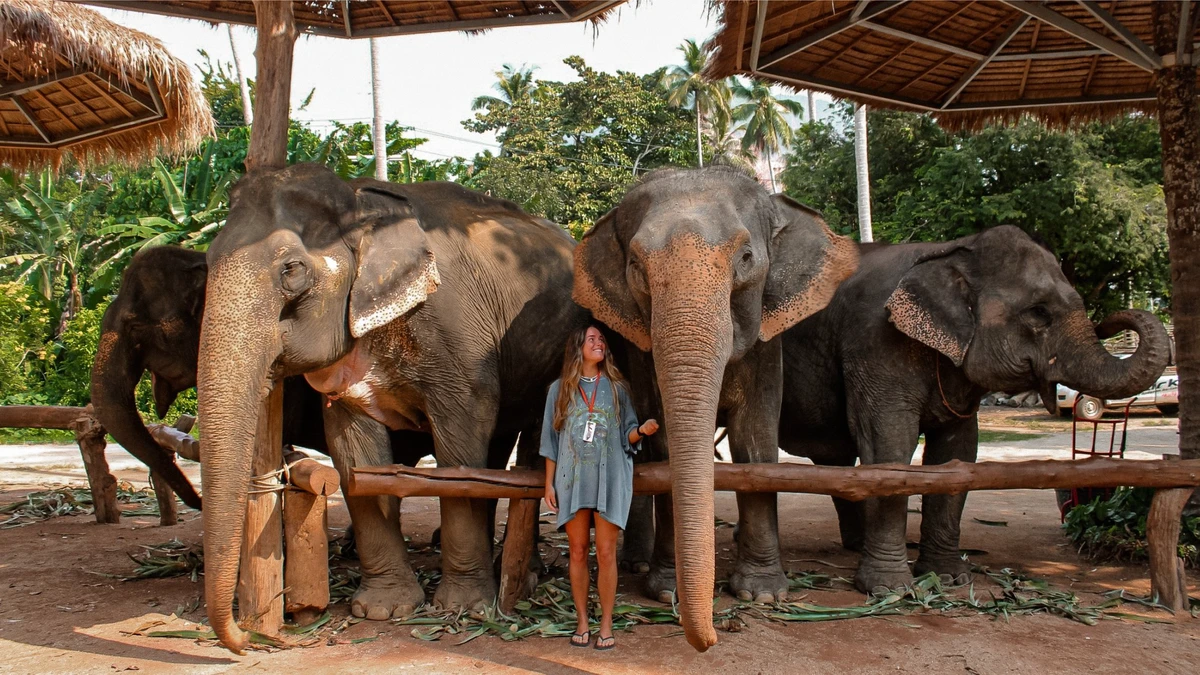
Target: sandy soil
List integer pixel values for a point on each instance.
(59, 613)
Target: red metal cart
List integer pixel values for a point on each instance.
(1068, 499)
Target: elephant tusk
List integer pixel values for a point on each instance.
(1053, 359)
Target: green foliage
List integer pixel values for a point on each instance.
(1115, 528)
(569, 150)
(1090, 195)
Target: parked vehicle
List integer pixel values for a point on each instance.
(1164, 395)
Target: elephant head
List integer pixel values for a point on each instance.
(153, 324)
(305, 265)
(999, 306)
(699, 267)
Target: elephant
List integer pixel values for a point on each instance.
(154, 324)
(910, 344)
(424, 307)
(700, 271)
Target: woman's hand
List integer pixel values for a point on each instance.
(648, 428)
(551, 498)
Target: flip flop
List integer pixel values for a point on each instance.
(587, 638)
(609, 643)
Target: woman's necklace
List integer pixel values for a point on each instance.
(589, 379)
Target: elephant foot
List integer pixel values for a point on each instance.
(853, 539)
(379, 599)
(637, 567)
(760, 584)
(465, 593)
(660, 584)
(951, 569)
(875, 577)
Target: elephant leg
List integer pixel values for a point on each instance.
(884, 564)
(754, 437)
(463, 438)
(660, 580)
(389, 587)
(941, 515)
(851, 519)
(637, 542)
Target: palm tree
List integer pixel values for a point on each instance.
(687, 87)
(763, 123)
(514, 84)
(726, 145)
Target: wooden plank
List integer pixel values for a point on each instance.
(1082, 32)
(1043, 56)
(970, 75)
(922, 40)
(260, 578)
(51, 78)
(852, 483)
(823, 34)
(1113, 24)
(40, 416)
(33, 120)
(1167, 580)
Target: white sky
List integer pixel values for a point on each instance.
(430, 80)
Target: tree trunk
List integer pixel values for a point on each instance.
(771, 170)
(812, 108)
(247, 107)
(865, 234)
(276, 39)
(1180, 134)
(380, 134)
(699, 145)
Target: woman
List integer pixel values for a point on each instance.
(589, 435)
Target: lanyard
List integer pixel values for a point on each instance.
(591, 403)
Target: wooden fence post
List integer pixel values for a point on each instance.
(306, 563)
(519, 536)
(260, 578)
(1167, 579)
(90, 437)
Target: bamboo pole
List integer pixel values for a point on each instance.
(852, 483)
(260, 578)
(519, 534)
(273, 86)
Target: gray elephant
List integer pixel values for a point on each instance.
(910, 343)
(154, 324)
(701, 270)
(337, 281)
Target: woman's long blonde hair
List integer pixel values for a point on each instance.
(573, 370)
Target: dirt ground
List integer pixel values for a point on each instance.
(59, 613)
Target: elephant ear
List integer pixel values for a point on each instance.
(396, 266)
(932, 303)
(600, 284)
(808, 263)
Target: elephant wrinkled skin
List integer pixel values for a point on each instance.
(910, 343)
(424, 307)
(701, 270)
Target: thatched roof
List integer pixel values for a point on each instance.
(378, 18)
(965, 62)
(73, 81)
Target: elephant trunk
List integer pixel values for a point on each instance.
(115, 374)
(1082, 363)
(238, 345)
(692, 340)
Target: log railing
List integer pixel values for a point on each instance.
(1174, 481)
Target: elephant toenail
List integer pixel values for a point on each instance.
(744, 596)
(378, 613)
(666, 597)
(764, 598)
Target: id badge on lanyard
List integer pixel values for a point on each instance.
(589, 429)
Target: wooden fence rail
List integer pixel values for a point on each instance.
(1174, 480)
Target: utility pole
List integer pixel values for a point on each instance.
(864, 179)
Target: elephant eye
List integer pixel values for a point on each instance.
(1038, 316)
(294, 278)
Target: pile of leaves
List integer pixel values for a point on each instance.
(169, 559)
(1114, 528)
(68, 500)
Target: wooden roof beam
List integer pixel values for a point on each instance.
(868, 13)
(563, 10)
(36, 83)
(346, 18)
(1014, 28)
(590, 11)
(1081, 32)
(29, 115)
(1039, 56)
(756, 46)
(922, 40)
(804, 81)
(1146, 96)
(1111, 23)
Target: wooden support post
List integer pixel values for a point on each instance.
(166, 499)
(306, 565)
(90, 437)
(273, 87)
(517, 581)
(260, 578)
(1167, 579)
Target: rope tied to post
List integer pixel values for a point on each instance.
(273, 481)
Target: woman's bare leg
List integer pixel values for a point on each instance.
(606, 577)
(579, 540)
